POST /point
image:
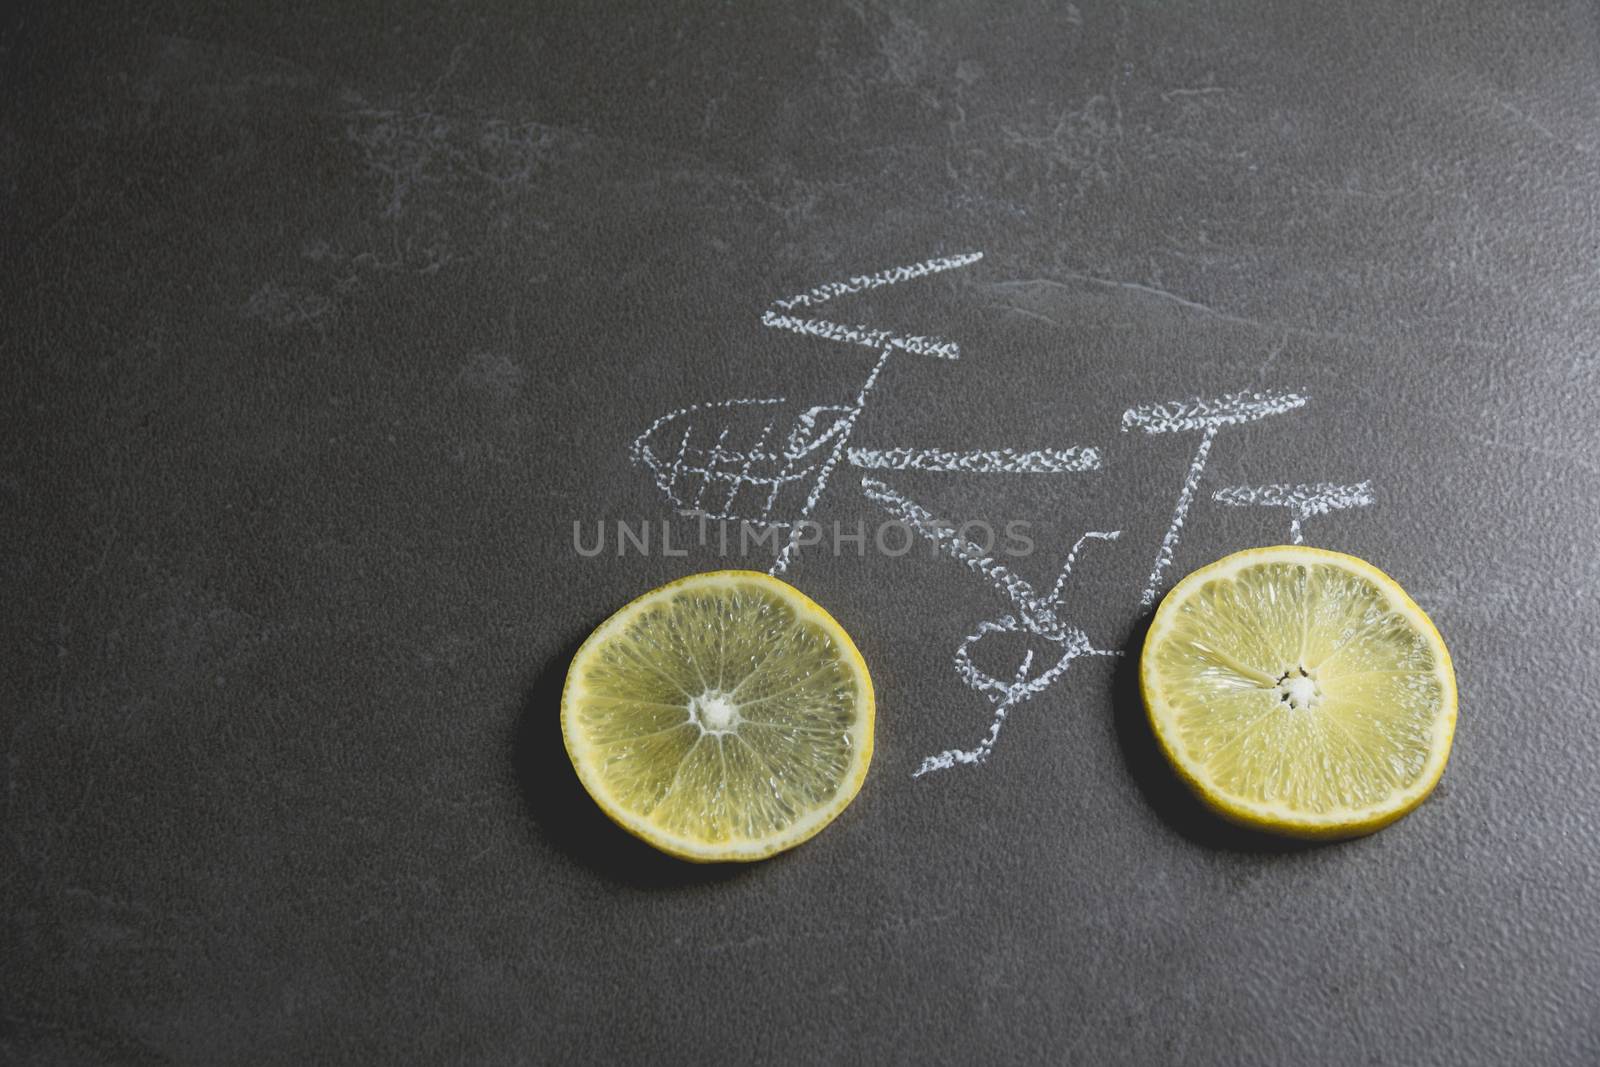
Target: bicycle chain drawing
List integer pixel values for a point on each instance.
(775, 473)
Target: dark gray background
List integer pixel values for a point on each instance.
(322, 329)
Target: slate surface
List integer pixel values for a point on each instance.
(322, 329)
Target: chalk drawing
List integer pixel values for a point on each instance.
(698, 467)
(828, 290)
(1038, 614)
(1198, 413)
(996, 461)
(753, 460)
(1034, 615)
(1302, 501)
(671, 458)
(776, 316)
(1209, 416)
(841, 437)
(861, 335)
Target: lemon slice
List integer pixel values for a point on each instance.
(721, 717)
(1300, 691)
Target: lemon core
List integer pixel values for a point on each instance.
(713, 712)
(1298, 688)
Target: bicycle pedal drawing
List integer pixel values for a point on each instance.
(757, 461)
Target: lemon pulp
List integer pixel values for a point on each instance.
(1300, 691)
(721, 717)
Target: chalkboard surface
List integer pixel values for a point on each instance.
(338, 344)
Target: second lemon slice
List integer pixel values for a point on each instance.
(722, 717)
(1300, 691)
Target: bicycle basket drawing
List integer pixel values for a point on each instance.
(744, 459)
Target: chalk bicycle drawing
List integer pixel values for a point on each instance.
(759, 477)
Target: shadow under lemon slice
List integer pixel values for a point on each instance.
(724, 716)
(1300, 692)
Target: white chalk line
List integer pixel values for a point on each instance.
(844, 428)
(1199, 413)
(640, 451)
(821, 294)
(683, 465)
(1314, 498)
(1006, 697)
(1072, 558)
(1039, 616)
(677, 463)
(1019, 691)
(1022, 688)
(743, 478)
(1169, 540)
(753, 467)
(865, 336)
(993, 461)
(1303, 500)
(1034, 616)
(803, 435)
(709, 472)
